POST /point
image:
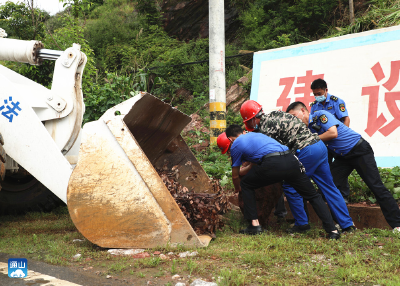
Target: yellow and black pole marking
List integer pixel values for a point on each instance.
(217, 120)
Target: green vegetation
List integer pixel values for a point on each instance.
(16, 20)
(275, 258)
(215, 164)
(379, 14)
(360, 192)
(271, 24)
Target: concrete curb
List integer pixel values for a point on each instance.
(363, 216)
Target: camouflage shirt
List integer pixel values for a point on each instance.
(287, 130)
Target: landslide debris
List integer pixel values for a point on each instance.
(203, 211)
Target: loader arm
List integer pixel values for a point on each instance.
(42, 124)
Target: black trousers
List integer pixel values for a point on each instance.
(280, 209)
(276, 169)
(346, 189)
(362, 159)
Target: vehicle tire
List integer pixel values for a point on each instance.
(2, 160)
(21, 193)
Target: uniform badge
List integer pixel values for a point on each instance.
(312, 103)
(330, 107)
(334, 98)
(342, 108)
(323, 118)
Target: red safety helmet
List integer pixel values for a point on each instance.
(249, 109)
(223, 143)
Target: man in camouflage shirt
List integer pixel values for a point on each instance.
(287, 130)
(312, 153)
(284, 128)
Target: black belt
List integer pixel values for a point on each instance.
(276, 154)
(358, 143)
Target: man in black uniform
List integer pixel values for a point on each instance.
(351, 152)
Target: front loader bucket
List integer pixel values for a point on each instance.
(115, 196)
(157, 126)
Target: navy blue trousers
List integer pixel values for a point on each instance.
(315, 159)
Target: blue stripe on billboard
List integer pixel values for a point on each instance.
(387, 162)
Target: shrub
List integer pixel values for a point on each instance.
(359, 191)
(113, 23)
(274, 23)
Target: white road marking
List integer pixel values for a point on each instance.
(44, 280)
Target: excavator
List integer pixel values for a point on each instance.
(105, 172)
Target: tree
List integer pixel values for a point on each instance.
(23, 22)
(351, 6)
(81, 7)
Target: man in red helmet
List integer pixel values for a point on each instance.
(311, 151)
(249, 110)
(272, 163)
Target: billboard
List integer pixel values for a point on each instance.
(362, 69)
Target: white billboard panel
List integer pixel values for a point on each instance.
(362, 69)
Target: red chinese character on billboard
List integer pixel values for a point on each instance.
(376, 122)
(304, 89)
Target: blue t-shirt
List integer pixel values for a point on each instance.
(347, 138)
(333, 105)
(251, 147)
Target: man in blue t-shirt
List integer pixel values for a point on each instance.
(272, 162)
(351, 152)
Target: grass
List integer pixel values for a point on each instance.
(191, 266)
(366, 257)
(173, 267)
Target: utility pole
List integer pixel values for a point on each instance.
(351, 6)
(217, 69)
